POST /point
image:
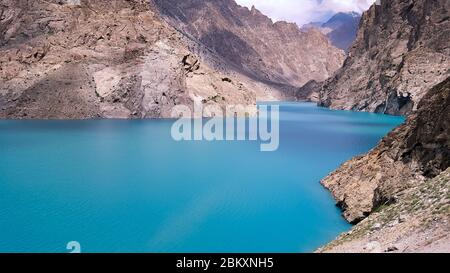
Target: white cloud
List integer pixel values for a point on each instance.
(305, 11)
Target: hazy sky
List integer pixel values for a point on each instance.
(305, 11)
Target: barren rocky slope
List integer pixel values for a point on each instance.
(401, 51)
(278, 53)
(419, 221)
(70, 59)
(395, 185)
(398, 193)
(413, 152)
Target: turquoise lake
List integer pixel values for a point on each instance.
(127, 186)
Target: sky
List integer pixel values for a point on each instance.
(306, 11)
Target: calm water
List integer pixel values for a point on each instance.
(126, 186)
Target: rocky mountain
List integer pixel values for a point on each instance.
(342, 29)
(417, 223)
(417, 150)
(398, 193)
(400, 52)
(103, 59)
(342, 19)
(402, 186)
(276, 53)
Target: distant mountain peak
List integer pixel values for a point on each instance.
(342, 18)
(354, 13)
(341, 28)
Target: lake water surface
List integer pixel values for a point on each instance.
(126, 186)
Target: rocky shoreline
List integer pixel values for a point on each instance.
(87, 59)
(397, 195)
(419, 221)
(413, 152)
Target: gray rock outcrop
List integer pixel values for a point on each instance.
(412, 153)
(401, 51)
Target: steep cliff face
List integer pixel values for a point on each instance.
(278, 53)
(415, 151)
(401, 51)
(105, 59)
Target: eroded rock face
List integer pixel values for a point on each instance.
(419, 221)
(275, 53)
(105, 59)
(401, 51)
(415, 151)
